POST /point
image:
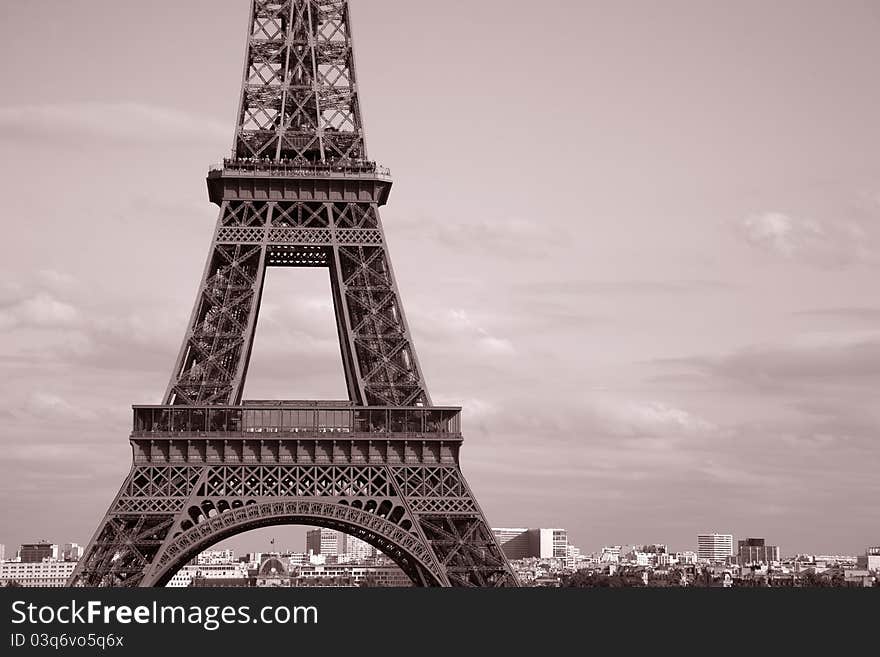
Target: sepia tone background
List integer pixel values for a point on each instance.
(639, 244)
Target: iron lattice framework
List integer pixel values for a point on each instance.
(298, 191)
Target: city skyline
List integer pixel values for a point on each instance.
(690, 344)
(291, 539)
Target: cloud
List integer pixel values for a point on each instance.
(116, 121)
(815, 359)
(844, 358)
(598, 420)
(652, 418)
(53, 330)
(48, 406)
(779, 232)
(626, 287)
(56, 281)
(498, 235)
(857, 314)
(821, 243)
(39, 311)
(458, 323)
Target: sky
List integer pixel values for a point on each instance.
(638, 242)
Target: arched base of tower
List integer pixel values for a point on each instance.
(146, 538)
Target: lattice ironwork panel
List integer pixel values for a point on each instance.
(442, 505)
(359, 236)
(297, 481)
(321, 236)
(167, 481)
(300, 215)
(149, 505)
(435, 482)
(355, 215)
(244, 213)
(241, 235)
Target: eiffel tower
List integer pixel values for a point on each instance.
(383, 466)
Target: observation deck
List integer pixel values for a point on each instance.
(266, 179)
(296, 432)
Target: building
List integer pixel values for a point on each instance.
(610, 554)
(514, 542)
(332, 543)
(559, 542)
(276, 570)
(273, 573)
(322, 541)
(521, 543)
(714, 548)
(871, 560)
(753, 551)
(215, 557)
(69, 552)
(354, 549)
(855, 577)
(686, 558)
(2, 552)
(349, 575)
(227, 575)
(36, 573)
(36, 552)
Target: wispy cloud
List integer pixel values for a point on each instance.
(504, 237)
(865, 314)
(821, 243)
(48, 406)
(41, 310)
(460, 325)
(116, 121)
(844, 358)
(624, 287)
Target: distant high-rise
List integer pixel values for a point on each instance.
(322, 541)
(715, 548)
(514, 542)
(2, 552)
(332, 543)
(521, 543)
(754, 551)
(871, 559)
(69, 552)
(36, 552)
(355, 548)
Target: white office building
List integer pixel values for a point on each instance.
(322, 541)
(714, 548)
(47, 573)
(523, 543)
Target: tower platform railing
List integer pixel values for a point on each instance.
(193, 421)
(292, 168)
